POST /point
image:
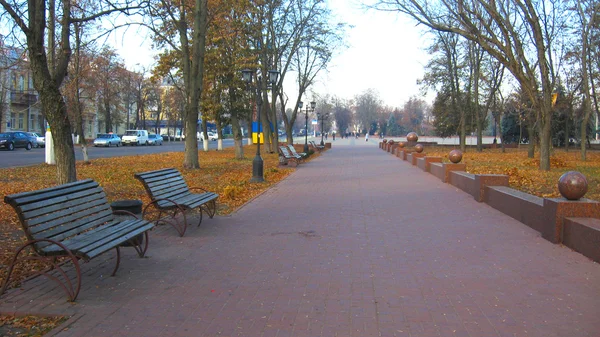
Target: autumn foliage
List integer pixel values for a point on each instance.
(524, 173)
(218, 173)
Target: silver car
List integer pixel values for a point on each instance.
(155, 140)
(107, 139)
(40, 140)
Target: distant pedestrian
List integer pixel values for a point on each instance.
(366, 137)
(333, 135)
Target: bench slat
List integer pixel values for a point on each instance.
(93, 243)
(22, 200)
(196, 200)
(69, 219)
(60, 233)
(77, 210)
(52, 207)
(170, 189)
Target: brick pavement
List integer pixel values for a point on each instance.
(354, 243)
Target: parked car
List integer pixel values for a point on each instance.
(155, 140)
(211, 136)
(107, 139)
(13, 139)
(40, 140)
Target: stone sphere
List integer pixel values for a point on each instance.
(412, 137)
(401, 144)
(455, 156)
(391, 141)
(419, 148)
(385, 140)
(572, 185)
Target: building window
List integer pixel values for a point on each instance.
(31, 126)
(21, 83)
(13, 121)
(21, 117)
(90, 128)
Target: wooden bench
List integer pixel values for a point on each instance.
(295, 153)
(287, 158)
(316, 147)
(72, 222)
(170, 194)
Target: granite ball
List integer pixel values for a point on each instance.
(401, 145)
(391, 141)
(385, 140)
(412, 137)
(455, 156)
(419, 148)
(572, 185)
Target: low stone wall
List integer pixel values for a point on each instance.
(520, 206)
(583, 235)
(576, 224)
(442, 170)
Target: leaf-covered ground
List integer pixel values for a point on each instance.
(218, 172)
(523, 172)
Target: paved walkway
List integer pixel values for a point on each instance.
(354, 243)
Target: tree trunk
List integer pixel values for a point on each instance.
(531, 145)
(238, 140)
(545, 140)
(56, 114)
(463, 131)
(567, 136)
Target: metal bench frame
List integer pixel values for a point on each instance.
(286, 157)
(314, 145)
(172, 198)
(72, 222)
(295, 153)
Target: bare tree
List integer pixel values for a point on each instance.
(46, 26)
(517, 33)
(587, 14)
(181, 26)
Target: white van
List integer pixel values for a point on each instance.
(135, 137)
(210, 135)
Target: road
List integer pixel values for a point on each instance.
(22, 157)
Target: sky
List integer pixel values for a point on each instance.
(385, 53)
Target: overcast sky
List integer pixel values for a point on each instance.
(385, 53)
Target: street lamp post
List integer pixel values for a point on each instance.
(322, 118)
(307, 110)
(257, 163)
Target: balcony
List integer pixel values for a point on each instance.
(24, 97)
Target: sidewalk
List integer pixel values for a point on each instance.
(354, 243)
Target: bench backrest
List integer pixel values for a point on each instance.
(163, 184)
(285, 152)
(61, 212)
(292, 149)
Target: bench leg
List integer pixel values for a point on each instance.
(200, 211)
(140, 247)
(62, 279)
(171, 219)
(118, 261)
(211, 208)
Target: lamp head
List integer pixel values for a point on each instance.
(247, 75)
(300, 105)
(313, 104)
(273, 76)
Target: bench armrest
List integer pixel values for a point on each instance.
(198, 188)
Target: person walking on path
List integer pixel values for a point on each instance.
(367, 137)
